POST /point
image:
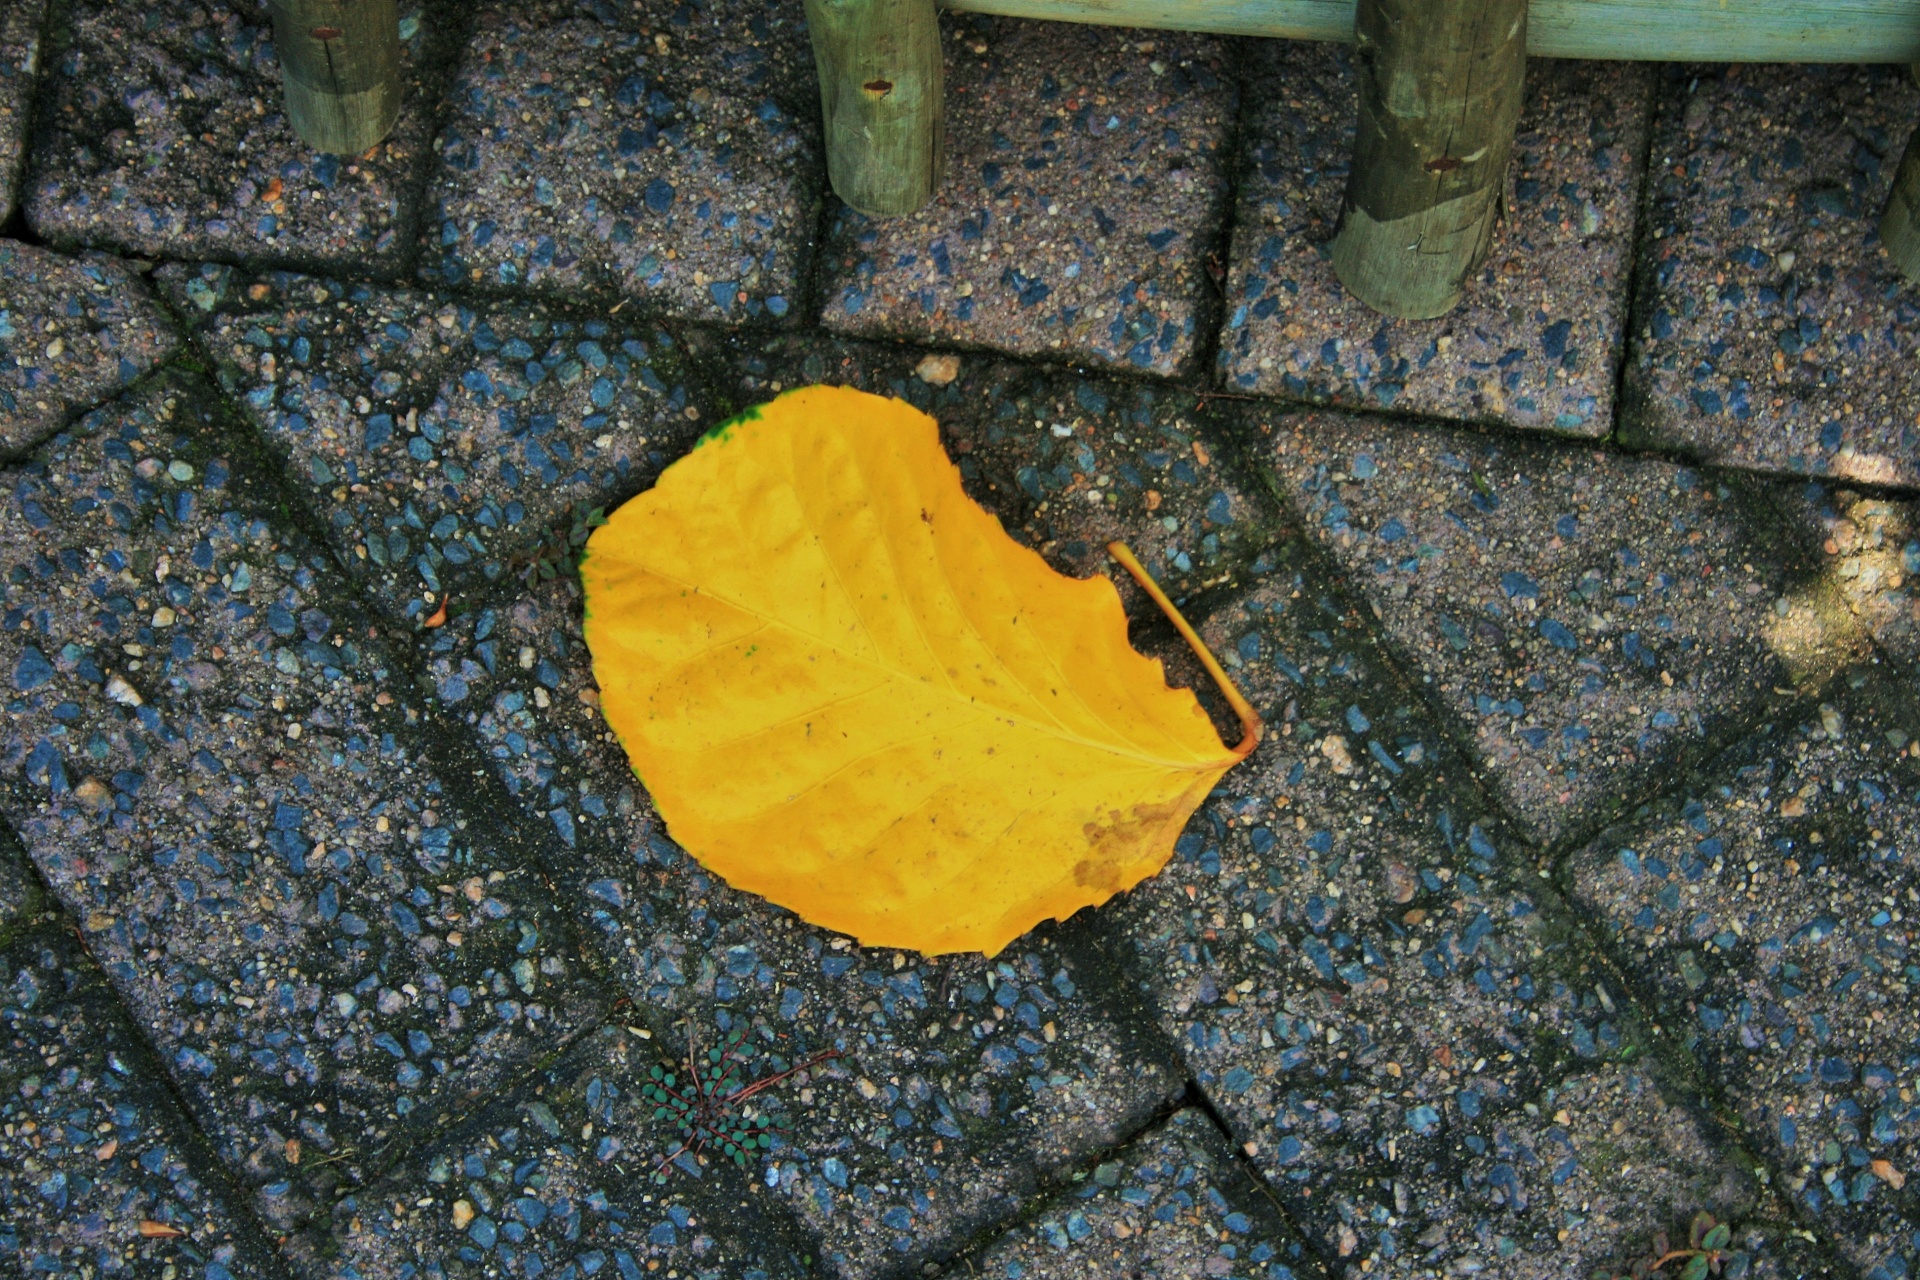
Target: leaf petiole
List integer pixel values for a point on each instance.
(1250, 727)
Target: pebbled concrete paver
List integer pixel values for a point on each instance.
(557, 1178)
(1174, 1204)
(1772, 332)
(667, 154)
(1538, 340)
(1383, 997)
(1085, 194)
(73, 332)
(207, 760)
(20, 23)
(163, 133)
(1768, 911)
(100, 1172)
(443, 441)
(1592, 619)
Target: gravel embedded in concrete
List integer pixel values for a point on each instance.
(100, 1173)
(208, 762)
(1379, 992)
(75, 331)
(1593, 619)
(556, 1178)
(1538, 339)
(1769, 909)
(1173, 1205)
(1773, 333)
(669, 155)
(162, 132)
(1085, 195)
(452, 448)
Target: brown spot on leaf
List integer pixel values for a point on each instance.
(878, 88)
(1442, 164)
(1116, 844)
(326, 33)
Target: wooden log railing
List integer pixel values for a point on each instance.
(1617, 30)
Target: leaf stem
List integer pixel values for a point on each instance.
(1249, 718)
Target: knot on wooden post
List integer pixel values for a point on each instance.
(881, 83)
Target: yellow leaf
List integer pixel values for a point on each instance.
(849, 691)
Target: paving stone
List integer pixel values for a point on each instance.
(75, 330)
(20, 23)
(1872, 550)
(1597, 620)
(100, 1172)
(555, 1179)
(1383, 997)
(1174, 1204)
(965, 1083)
(1772, 333)
(443, 441)
(670, 155)
(1769, 913)
(1068, 463)
(163, 132)
(1085, 193)
(1538, 340)
(206, 757)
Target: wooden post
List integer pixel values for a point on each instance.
(880, 101)
(341, 61)
(1900, 224)
(1440, 88)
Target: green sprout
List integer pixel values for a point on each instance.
(707, 1101)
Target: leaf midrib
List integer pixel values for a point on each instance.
(1056, 730)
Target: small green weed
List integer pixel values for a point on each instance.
(708, 1102)
(1708, 1252)
(559, 548)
